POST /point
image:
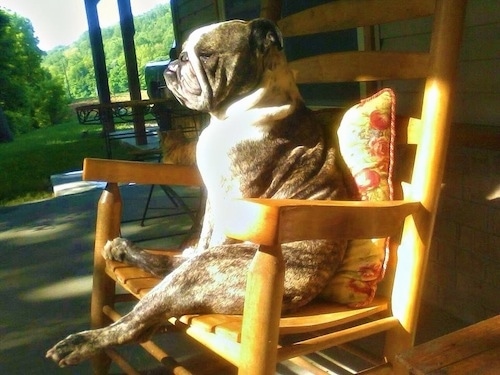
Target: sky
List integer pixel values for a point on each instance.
(61, 22)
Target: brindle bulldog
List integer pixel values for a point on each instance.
(261, 142)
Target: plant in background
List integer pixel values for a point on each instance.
(29, 96)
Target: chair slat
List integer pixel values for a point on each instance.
(346, 14)
(228, 326)
(231, 329)
(125, 273)
(314, 317)
(120, 171)
(408, 130)
(140, 287)
(337, 338)
(208, 322)
(345, 66)
(319, 316)
(136, 281)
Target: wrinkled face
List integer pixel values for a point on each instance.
(220, 63)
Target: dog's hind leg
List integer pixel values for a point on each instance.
(212, 281)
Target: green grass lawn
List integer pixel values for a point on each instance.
(27, 163)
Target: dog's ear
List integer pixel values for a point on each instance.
(264, 34)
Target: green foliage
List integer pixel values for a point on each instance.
(35, 88)
(73, 65)
(27, 163)
(29, 95)
(23, 123)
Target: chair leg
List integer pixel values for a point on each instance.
(171, 195)
(177, 200)
(100, 364)
(262, 309)
(103, 288)
(148, 201)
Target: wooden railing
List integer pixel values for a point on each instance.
(120, 112)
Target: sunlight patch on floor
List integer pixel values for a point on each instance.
(67, 288)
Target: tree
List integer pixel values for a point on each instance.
(5, 132)
(73, 64)
(26, 87)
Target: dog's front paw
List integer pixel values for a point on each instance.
(117, 249)
(74, 349)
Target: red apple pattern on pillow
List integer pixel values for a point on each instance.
(366, 135)
(366, 144)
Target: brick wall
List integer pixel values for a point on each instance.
(463, 274)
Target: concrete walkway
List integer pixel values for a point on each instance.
(46, 266)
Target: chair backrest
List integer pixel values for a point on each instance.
(436, 67)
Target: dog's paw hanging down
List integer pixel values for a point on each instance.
(74, 348)
(261, 142)
(123, 250)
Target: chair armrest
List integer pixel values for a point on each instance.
(273, 221)
(120, 171)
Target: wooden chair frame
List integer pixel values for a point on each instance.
(251, 342)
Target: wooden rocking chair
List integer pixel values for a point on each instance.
(253, 342)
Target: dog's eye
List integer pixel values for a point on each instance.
(183, 57)
(204, 58)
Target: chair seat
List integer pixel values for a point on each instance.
(313, 317)
(136, 281)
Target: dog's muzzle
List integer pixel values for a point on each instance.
(181, 79)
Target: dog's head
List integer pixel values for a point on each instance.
(222, 63)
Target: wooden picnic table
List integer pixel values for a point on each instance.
(167, 113)
(136, 112)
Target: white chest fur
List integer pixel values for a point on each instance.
(214, 162)
(213, 153)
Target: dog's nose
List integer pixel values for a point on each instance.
(172, 67)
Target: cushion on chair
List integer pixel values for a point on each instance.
(366, 135)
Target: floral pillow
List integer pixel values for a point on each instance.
(366, 138)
